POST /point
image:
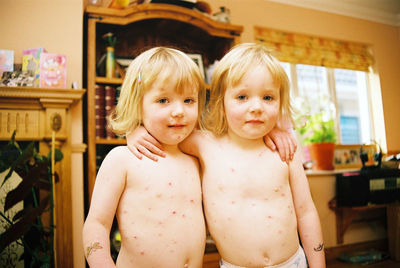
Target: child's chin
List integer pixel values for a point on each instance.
(173, 140)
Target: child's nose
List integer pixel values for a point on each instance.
(255, 105)
(177, 110)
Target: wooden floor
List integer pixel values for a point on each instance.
(382, 264)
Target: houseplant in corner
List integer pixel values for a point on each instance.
(316, 125)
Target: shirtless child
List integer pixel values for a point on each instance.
(256, 206)
(158, 204)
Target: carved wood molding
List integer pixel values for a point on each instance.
(164, 11)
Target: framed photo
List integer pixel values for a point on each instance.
(348, 156)
(199, 61)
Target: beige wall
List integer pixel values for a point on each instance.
(57, 26)
(384, 39)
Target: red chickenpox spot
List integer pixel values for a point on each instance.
(253, 205)
(229, 218)
(174, 212)
(146, 188)
(175, 242)
(160, 234)
(171, 251)
(280, 232)
(183, 215)
(160, 222)
(191, 201)
(269, 217)
(142, 253)
(232, 169)
(159, 195)
(233, 202)
(125, 212)
(169, 183)
(149, 208)
(282, 194)
(265, 199)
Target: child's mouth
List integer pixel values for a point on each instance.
(177, 126)
(254, 122)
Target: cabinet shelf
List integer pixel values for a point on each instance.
(105, 80)
(111, 141)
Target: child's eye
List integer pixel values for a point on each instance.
(189, 100)
(268, 98)
(241, 97)
(163, 100)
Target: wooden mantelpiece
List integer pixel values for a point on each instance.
(30, 112)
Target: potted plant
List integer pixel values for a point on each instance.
(316, 125)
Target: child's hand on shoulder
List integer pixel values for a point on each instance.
(282, 141)
(140, 142)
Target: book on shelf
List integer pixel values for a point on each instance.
(109, 107)
(100, 111)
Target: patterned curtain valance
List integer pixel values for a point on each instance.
(303, 49)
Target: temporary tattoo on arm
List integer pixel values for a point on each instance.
(92, 248)
(320, 247)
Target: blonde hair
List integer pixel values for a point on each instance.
(153, 64)
(229, 72)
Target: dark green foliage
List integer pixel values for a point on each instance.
(35, 172)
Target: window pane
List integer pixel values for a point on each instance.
(312, 84)
(352, 98)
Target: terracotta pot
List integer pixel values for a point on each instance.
(322, 155)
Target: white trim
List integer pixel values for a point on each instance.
(346, 9)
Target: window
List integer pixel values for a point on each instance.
(347, 89)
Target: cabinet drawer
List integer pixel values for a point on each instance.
(25, 122)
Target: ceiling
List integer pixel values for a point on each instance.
(382, 11)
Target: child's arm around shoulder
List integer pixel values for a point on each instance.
(193, 144)
(309, 226)
(110, 183)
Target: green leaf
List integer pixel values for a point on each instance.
(58, 155)
(18, 229)
(39, 171)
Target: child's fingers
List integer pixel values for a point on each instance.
(270, 144)
(293, 147)
(154, 142)
(147, 153)
(152, 148)
(135, 152)
(282, 149)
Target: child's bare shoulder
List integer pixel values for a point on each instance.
(119, 154)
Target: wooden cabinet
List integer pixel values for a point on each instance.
(138, 28)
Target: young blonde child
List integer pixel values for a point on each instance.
(256, 206)
(158, 205)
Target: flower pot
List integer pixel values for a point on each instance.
(322, 155)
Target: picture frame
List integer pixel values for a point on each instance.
(347, 156)
(199, 61)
